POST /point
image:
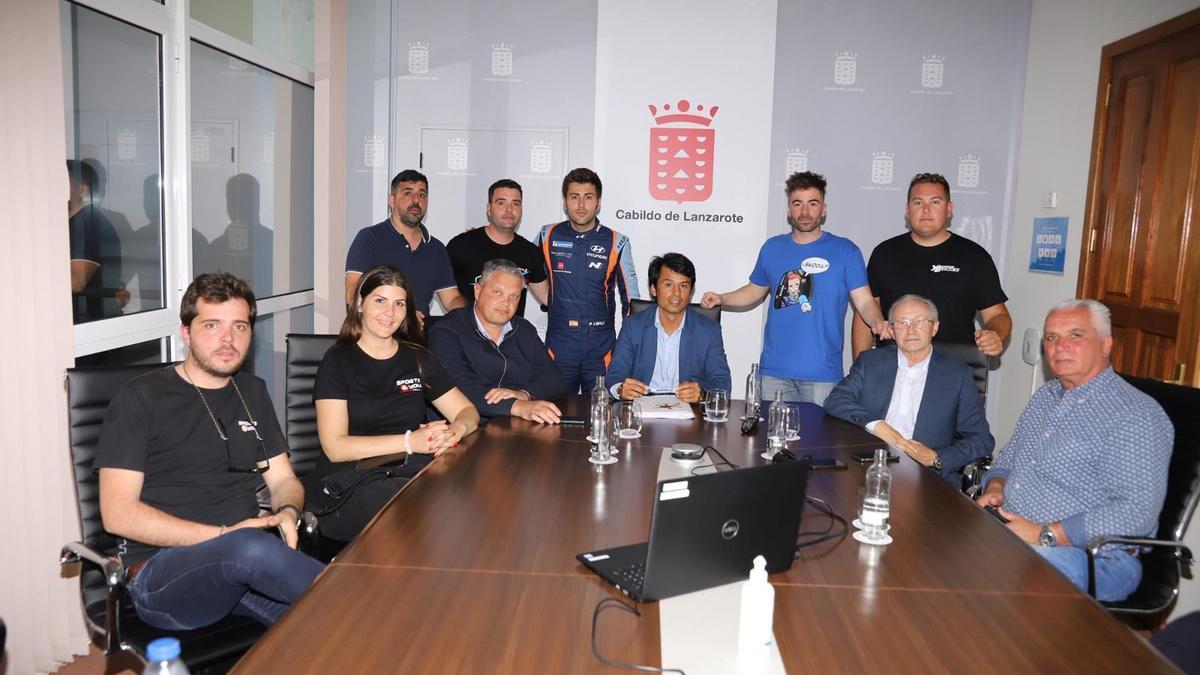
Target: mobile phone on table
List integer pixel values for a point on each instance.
(572, 420)
(868, 456)
(995, 513)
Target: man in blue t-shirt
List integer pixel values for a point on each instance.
(402, 240)
(810, 276)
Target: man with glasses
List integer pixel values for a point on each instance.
(181, 454)
(916, 399)
(953, 271)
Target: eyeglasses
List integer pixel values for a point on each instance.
(261, 464)
(911, 323)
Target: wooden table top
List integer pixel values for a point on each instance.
(471, 568)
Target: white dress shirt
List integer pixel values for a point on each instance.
(906, 395)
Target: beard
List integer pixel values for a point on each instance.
(803, 227)
(411, 220)
(214, 368)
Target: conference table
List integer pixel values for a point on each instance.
(471, 569)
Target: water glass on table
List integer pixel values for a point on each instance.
(716, 406)
(629, 419)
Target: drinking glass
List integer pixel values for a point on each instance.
(629, 419)
(716, 406)
(793, 422)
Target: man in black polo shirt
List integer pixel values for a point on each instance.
(402, 240)
(954, 272)
(498, 240)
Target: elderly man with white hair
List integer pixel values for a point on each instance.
(1089, 456)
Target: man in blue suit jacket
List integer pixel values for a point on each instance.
(670, 348)
(916, 399)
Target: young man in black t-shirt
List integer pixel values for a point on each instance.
(954, 272)
(177, 460)
(498, 240)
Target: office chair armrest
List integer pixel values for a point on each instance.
(114, 571)
(1096, 543)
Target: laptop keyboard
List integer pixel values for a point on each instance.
(630, 578)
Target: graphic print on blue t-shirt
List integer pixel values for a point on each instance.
(796, 286)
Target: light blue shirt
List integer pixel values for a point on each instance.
(1094, 457)
(666, 358)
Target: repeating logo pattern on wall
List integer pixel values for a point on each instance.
(541, 155)
(797, 160)
(373, 152)
(681, 157)
(933, 71)
(418, 58)
(456, 154)
(968, 171)
(883, 168)
(502, 60)
(845, 68)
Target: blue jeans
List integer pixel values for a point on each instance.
(801, 391)
(1117, 572)
(246, 572)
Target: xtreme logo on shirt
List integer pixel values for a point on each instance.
(943, 268)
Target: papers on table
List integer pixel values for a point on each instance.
(665, 407)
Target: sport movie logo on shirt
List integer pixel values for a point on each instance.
(681, 158)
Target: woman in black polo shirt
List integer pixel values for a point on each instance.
(371, 392)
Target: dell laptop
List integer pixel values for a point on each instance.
(705, 531)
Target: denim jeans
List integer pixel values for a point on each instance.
(246, 572)
(801, 391)
(1117, 572)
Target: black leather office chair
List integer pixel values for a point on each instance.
(980, 363)
(636, 305)
(1168, 558)
(110, 618)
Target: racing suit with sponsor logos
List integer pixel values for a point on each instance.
(586, 270)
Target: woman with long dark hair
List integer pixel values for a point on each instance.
(371, 392)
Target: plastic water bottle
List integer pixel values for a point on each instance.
(162, 656)
(755, 634)
(753, 391)
(877, 498)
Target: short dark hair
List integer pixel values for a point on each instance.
(676, 262)
(409, 176)
(215, 288)
(83, 173)
(582, 175)
(803, 180)
(932, 178)
(504, 183)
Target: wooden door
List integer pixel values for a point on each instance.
(1141, 252)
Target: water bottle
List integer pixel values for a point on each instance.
(877, 498)
(753, 392)
(162, 658)
(755, 635)
(777, 423)
(599, 393)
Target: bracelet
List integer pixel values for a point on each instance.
(221, 530)
(284, 507)
(407, 446)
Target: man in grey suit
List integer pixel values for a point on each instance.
(917, 400)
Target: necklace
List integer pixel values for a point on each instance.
(217, 424)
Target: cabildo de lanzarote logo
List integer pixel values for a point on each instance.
(681, 152)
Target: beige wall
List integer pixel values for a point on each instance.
(37, 504)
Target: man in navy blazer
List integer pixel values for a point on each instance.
(671, 348)
(916, 399)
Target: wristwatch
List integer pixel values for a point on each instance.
(1047, 538)
(936, 465)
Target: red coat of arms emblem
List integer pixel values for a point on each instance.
(681, 157)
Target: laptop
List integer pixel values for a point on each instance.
(706, 530)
